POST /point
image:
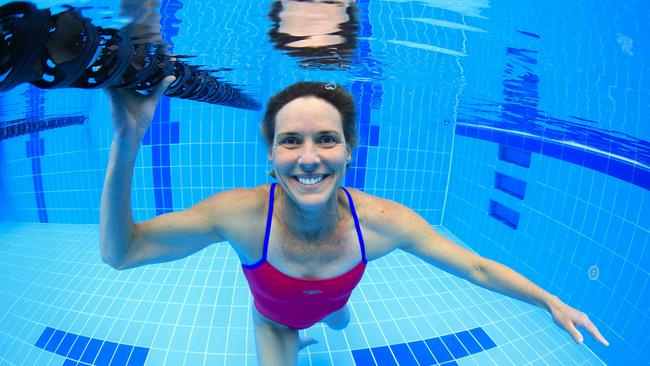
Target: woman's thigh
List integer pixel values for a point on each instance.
(275, 343)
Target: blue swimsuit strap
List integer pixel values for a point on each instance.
(356, 224)
(266, 235)
(269, 219)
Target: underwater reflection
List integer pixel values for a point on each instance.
(322, 34)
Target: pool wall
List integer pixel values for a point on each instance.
(581, 235)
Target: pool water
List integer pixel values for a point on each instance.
(518, 129)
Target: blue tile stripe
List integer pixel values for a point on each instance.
(80, 350)
(160, 135)
(510, 185)
(356, 175)
(368, 96)
(504, 214)
(515, 156)
(433, 351)
(610, 165)
(518, 123)
(35, 149)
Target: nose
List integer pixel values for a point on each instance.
(309, 159)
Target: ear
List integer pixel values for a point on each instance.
(348, 154)
(270, 155)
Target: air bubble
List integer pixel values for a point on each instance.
(330, 86)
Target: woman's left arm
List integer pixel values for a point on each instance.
(415, 235)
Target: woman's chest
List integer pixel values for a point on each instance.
(318, 257)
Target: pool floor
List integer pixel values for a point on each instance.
(61, 305)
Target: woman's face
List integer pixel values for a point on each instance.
(309, 152)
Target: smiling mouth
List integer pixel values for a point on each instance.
(310, 181)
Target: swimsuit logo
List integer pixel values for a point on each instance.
(312, 292)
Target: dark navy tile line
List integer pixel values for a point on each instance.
(503, 213)
(368, 96)
(443, 350)
(80, 350)
(510, 185)
(518, 123)
(610, 165)
(162, 132)
(160, 135)
(36, 149)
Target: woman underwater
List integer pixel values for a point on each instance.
(304, 241)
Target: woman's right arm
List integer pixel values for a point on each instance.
(125, 244)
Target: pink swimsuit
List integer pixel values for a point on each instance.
(295, 302)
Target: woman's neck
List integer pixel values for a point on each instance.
(309, 225)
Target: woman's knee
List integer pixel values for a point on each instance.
(339, 319)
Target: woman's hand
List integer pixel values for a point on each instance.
(132, 112)
(569, 318)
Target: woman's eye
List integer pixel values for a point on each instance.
(328, 140)
(289, 141)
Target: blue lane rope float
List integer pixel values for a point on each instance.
(66, 50)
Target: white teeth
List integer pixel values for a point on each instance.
(310, 181)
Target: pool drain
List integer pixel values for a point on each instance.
(593, 273)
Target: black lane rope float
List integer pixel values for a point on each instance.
(66, 50)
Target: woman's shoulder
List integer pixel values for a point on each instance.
(237, 205)
(239, 215)
(382, 222)
(374, 210)
(242, 198)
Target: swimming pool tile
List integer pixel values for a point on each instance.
(510, 185)
(78, 347)
(454, 346)
(374, 135)
(122, 354)
(384, 356)
(66, 344)
(422, 353)
(504, 214)
(403, 354)
(44, 338)
(138, 356)
(342, 358)
(483, 339)
(363, 357)
(392, 332)
(54, 341)
(468, 341)
(106, 354)
(91, 351)
(374, 334)
(439, 350)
